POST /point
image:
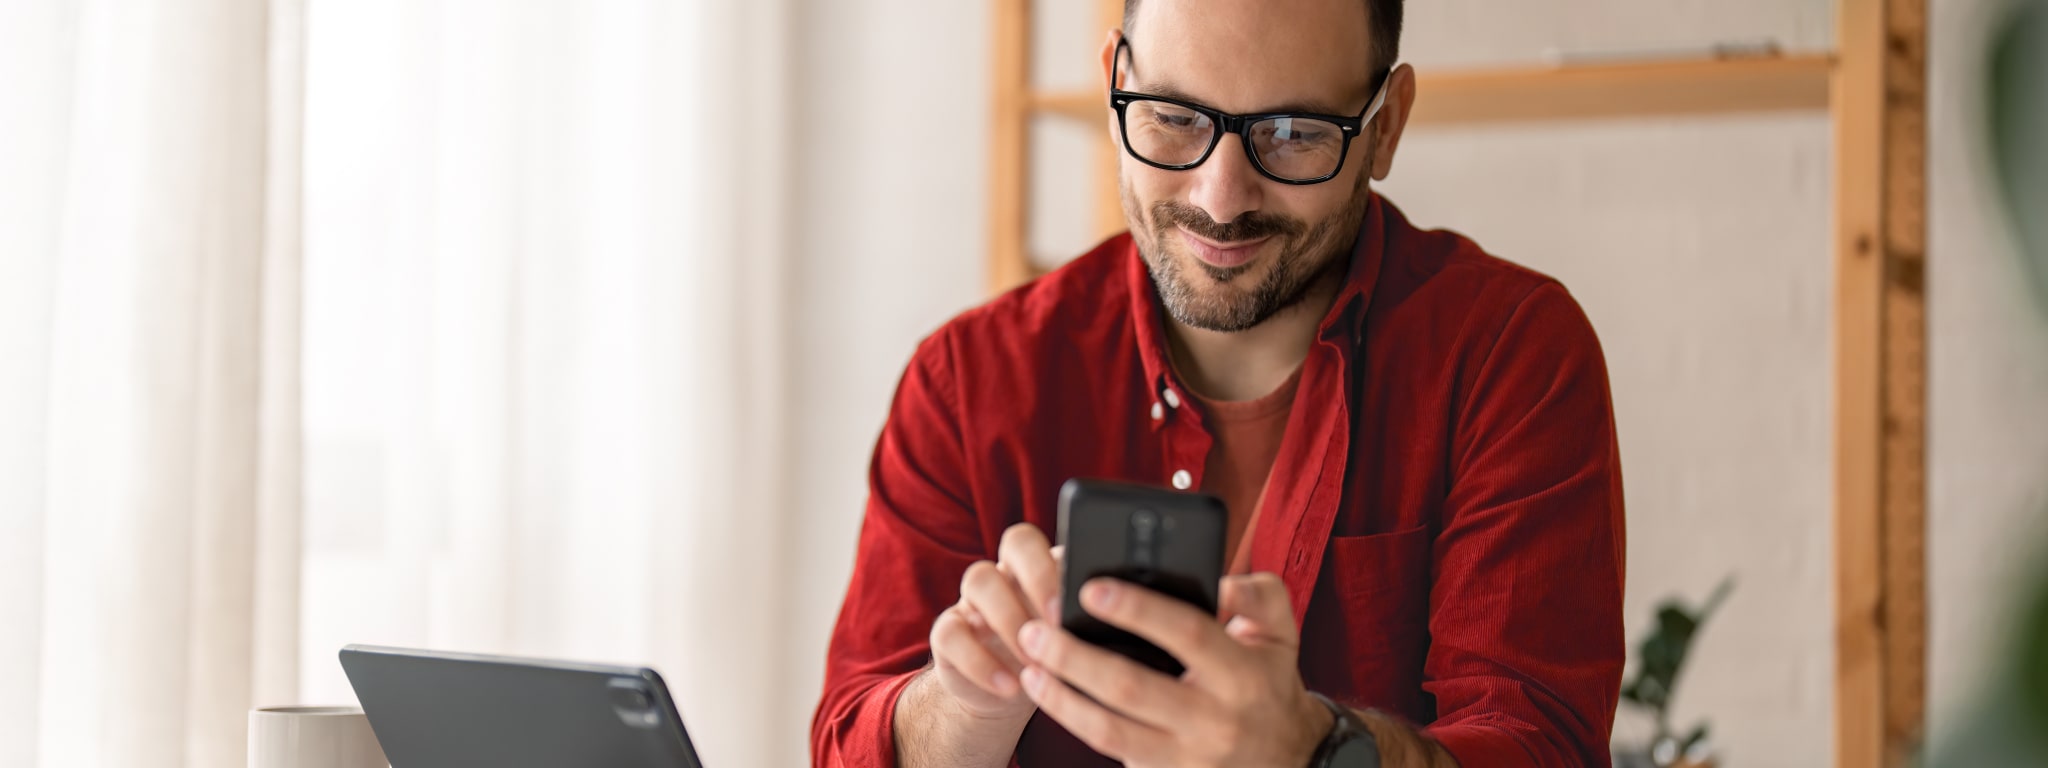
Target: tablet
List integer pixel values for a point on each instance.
(431, 709)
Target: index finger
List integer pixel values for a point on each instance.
(1188, 633)
(1027, 557)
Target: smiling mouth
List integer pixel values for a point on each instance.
(1222, 256)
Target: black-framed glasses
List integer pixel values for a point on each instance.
(1287, 147)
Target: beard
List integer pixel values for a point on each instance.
(1201, 295)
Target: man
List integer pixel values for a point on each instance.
(1414, 440)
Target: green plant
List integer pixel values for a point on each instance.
(2006, 725)
(1659, 658)
(2017, 106)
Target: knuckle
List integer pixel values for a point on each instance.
(978, 578)
(947, 626)
(963, 652)
(1012, 535)
(1186, 631)
(1122, 688)
(1020, 540)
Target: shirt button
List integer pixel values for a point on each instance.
(1158, 412)
(1182, 480)
(1172, 398)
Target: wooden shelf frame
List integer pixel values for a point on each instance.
(1618, 90)
(1874, 87)
(1880, 119)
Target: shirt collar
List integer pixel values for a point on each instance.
(1344, 324)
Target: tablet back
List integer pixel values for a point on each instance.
(433, 709)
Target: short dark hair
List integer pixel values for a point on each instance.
(1383, 16)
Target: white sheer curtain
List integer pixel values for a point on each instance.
(543, 357)
(544, 341)
(147, 492)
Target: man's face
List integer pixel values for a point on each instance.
(1226, 246)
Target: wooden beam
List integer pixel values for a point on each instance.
(1905, 372)
(1080, 105)
(1635, 89)
(1880, 381)
(1009, 147)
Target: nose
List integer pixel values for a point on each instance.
(1226, 185)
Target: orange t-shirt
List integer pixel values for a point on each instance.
(1246, 436)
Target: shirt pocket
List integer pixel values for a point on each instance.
(1377, 619)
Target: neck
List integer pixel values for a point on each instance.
(1248, 364)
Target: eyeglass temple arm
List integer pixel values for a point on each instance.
(1123, 44)
(1379, 99)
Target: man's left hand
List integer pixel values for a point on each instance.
(1241, 701)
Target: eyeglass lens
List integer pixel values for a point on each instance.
(1288, 147)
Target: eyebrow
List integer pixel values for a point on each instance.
(1311, 107)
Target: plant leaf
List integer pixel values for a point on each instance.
(2018, 119)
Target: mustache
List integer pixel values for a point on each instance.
(1250, 226)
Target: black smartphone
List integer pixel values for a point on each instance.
(1170, 542)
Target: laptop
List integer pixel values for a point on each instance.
(432, 709)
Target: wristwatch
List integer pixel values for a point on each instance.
(1349, 745)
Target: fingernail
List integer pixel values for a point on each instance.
(1002, 683)
(1031, 635)
(1099, 594)
(1034, 681)
(1052, 607)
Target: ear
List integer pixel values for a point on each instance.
(1109, 41)
(1392, 120)
(1109, 58)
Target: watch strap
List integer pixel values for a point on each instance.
(1346, 727)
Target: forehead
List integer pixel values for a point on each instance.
(1254, 55)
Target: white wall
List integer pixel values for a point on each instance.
(891, 174)
(1699, 248)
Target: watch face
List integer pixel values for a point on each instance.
(1355, 753)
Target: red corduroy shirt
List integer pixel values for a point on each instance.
(1445, 509)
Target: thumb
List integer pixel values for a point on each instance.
(1262, 607)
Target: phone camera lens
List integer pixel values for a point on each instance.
(1144, 539)
(1144, 522)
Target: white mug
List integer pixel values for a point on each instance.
(312, 737)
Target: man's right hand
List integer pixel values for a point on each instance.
(975, 654)
(969, 708)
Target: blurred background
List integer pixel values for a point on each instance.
(565, 329)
